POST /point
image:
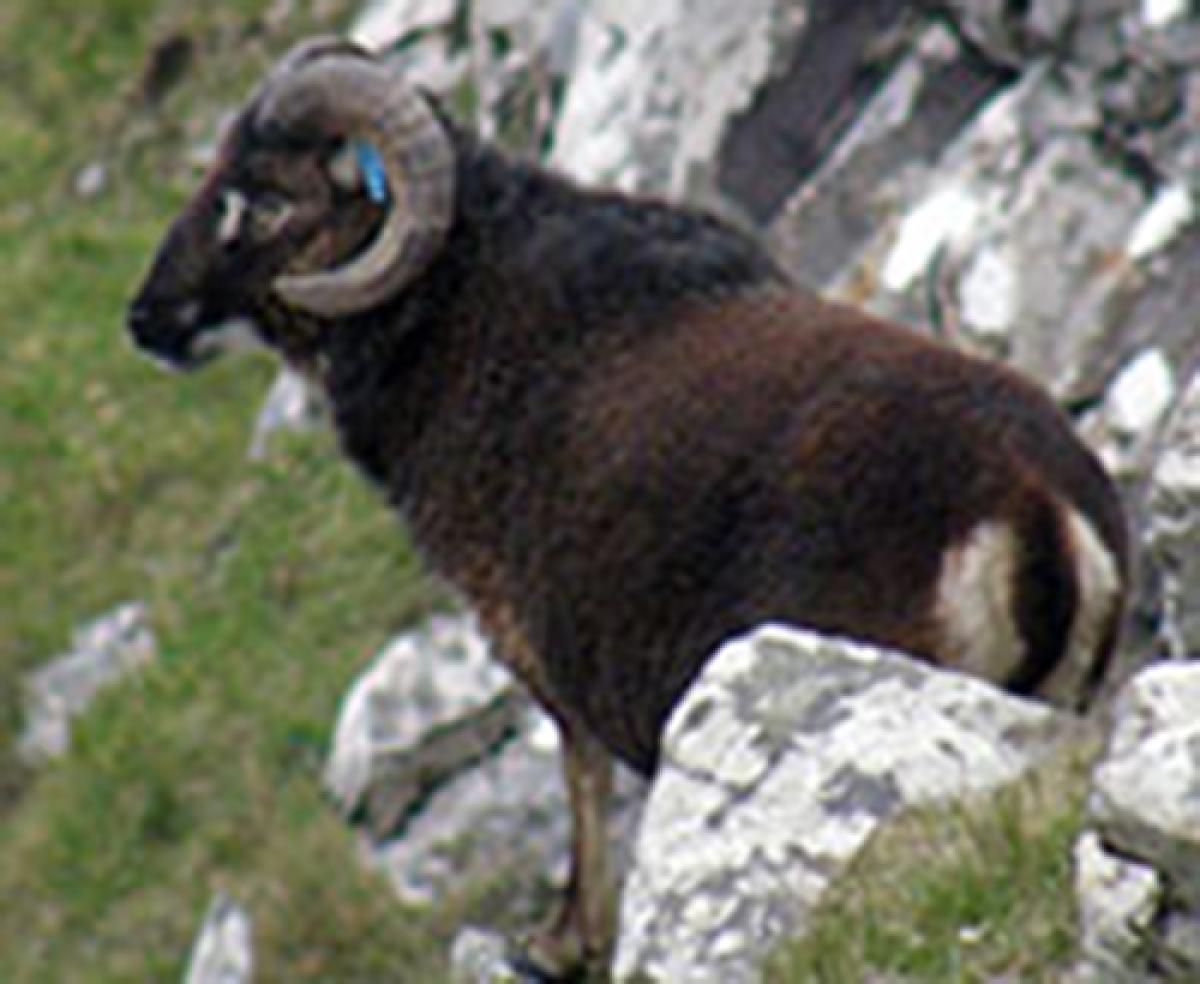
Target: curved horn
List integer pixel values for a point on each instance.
(313, 48)
(353, 97)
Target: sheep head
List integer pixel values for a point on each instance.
(284, 234)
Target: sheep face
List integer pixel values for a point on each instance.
(286, 236)
(262, 212)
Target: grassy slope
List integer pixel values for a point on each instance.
(976, 893)
(268, 584)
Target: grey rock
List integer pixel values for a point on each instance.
(510, 57)
(103, 652)
(1174, 527)
(1048, 217)
(1171, 212)
(977, 236)
(498, 806)
(1149, 309)
(420, 38)
(1119, 901)
(291, 406)
(1071, 206)
(1125, 429)
(831, 57)
(92, 180)
(1179, 953)
(406, 777)
(1138, 870)
(509, 815)
(968, 225)
(782, 759)
(655, 86)
(1101, 33)
(223, 952)
(884, 158)
(479, 956)
(522, 53)
(1014, 33)
(506, 814)
(1146, 792)
(1162, 13)
(384, 23)
(423, 680)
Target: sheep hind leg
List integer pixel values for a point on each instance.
(576, 940)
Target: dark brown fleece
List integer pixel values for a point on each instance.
(618, 423)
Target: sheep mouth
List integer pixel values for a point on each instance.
(181, 343)
(177, 361)
(175, 352)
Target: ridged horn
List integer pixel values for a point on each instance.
(347, 95)
(310, 49)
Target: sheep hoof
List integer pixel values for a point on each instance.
(553, 955)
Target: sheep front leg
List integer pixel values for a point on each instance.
(579, 934)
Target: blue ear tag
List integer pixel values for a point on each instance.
(374, 176)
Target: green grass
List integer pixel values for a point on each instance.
(974, 893)
(269, 584)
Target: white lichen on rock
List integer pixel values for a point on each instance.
(779, 763)
(104, 651)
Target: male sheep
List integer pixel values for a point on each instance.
(622, 431)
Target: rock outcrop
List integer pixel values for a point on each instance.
(1138, 870)
(1174, 527)
(452, 773)
(786, 755)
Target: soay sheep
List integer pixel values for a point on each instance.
(624, 434)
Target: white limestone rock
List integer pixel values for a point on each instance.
(504, 810)
(422, 680)
(92, 180)
(1125, 429)
(973, 232)
(1169, 214)
(1141, 394)
(1138, 870)
(1012, 33)
(1064, 204)
(782, 759)
(509, 813)
(292, 405)
(1160, 13)
(103, 652)
(880, 167)
(1174, 528)
(224, 949)
(383, 23)
(480, 956)
(1119, 901)
(1146, 792)
(491, 55)
(656, 84)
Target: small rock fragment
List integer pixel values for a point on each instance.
(223, 952)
